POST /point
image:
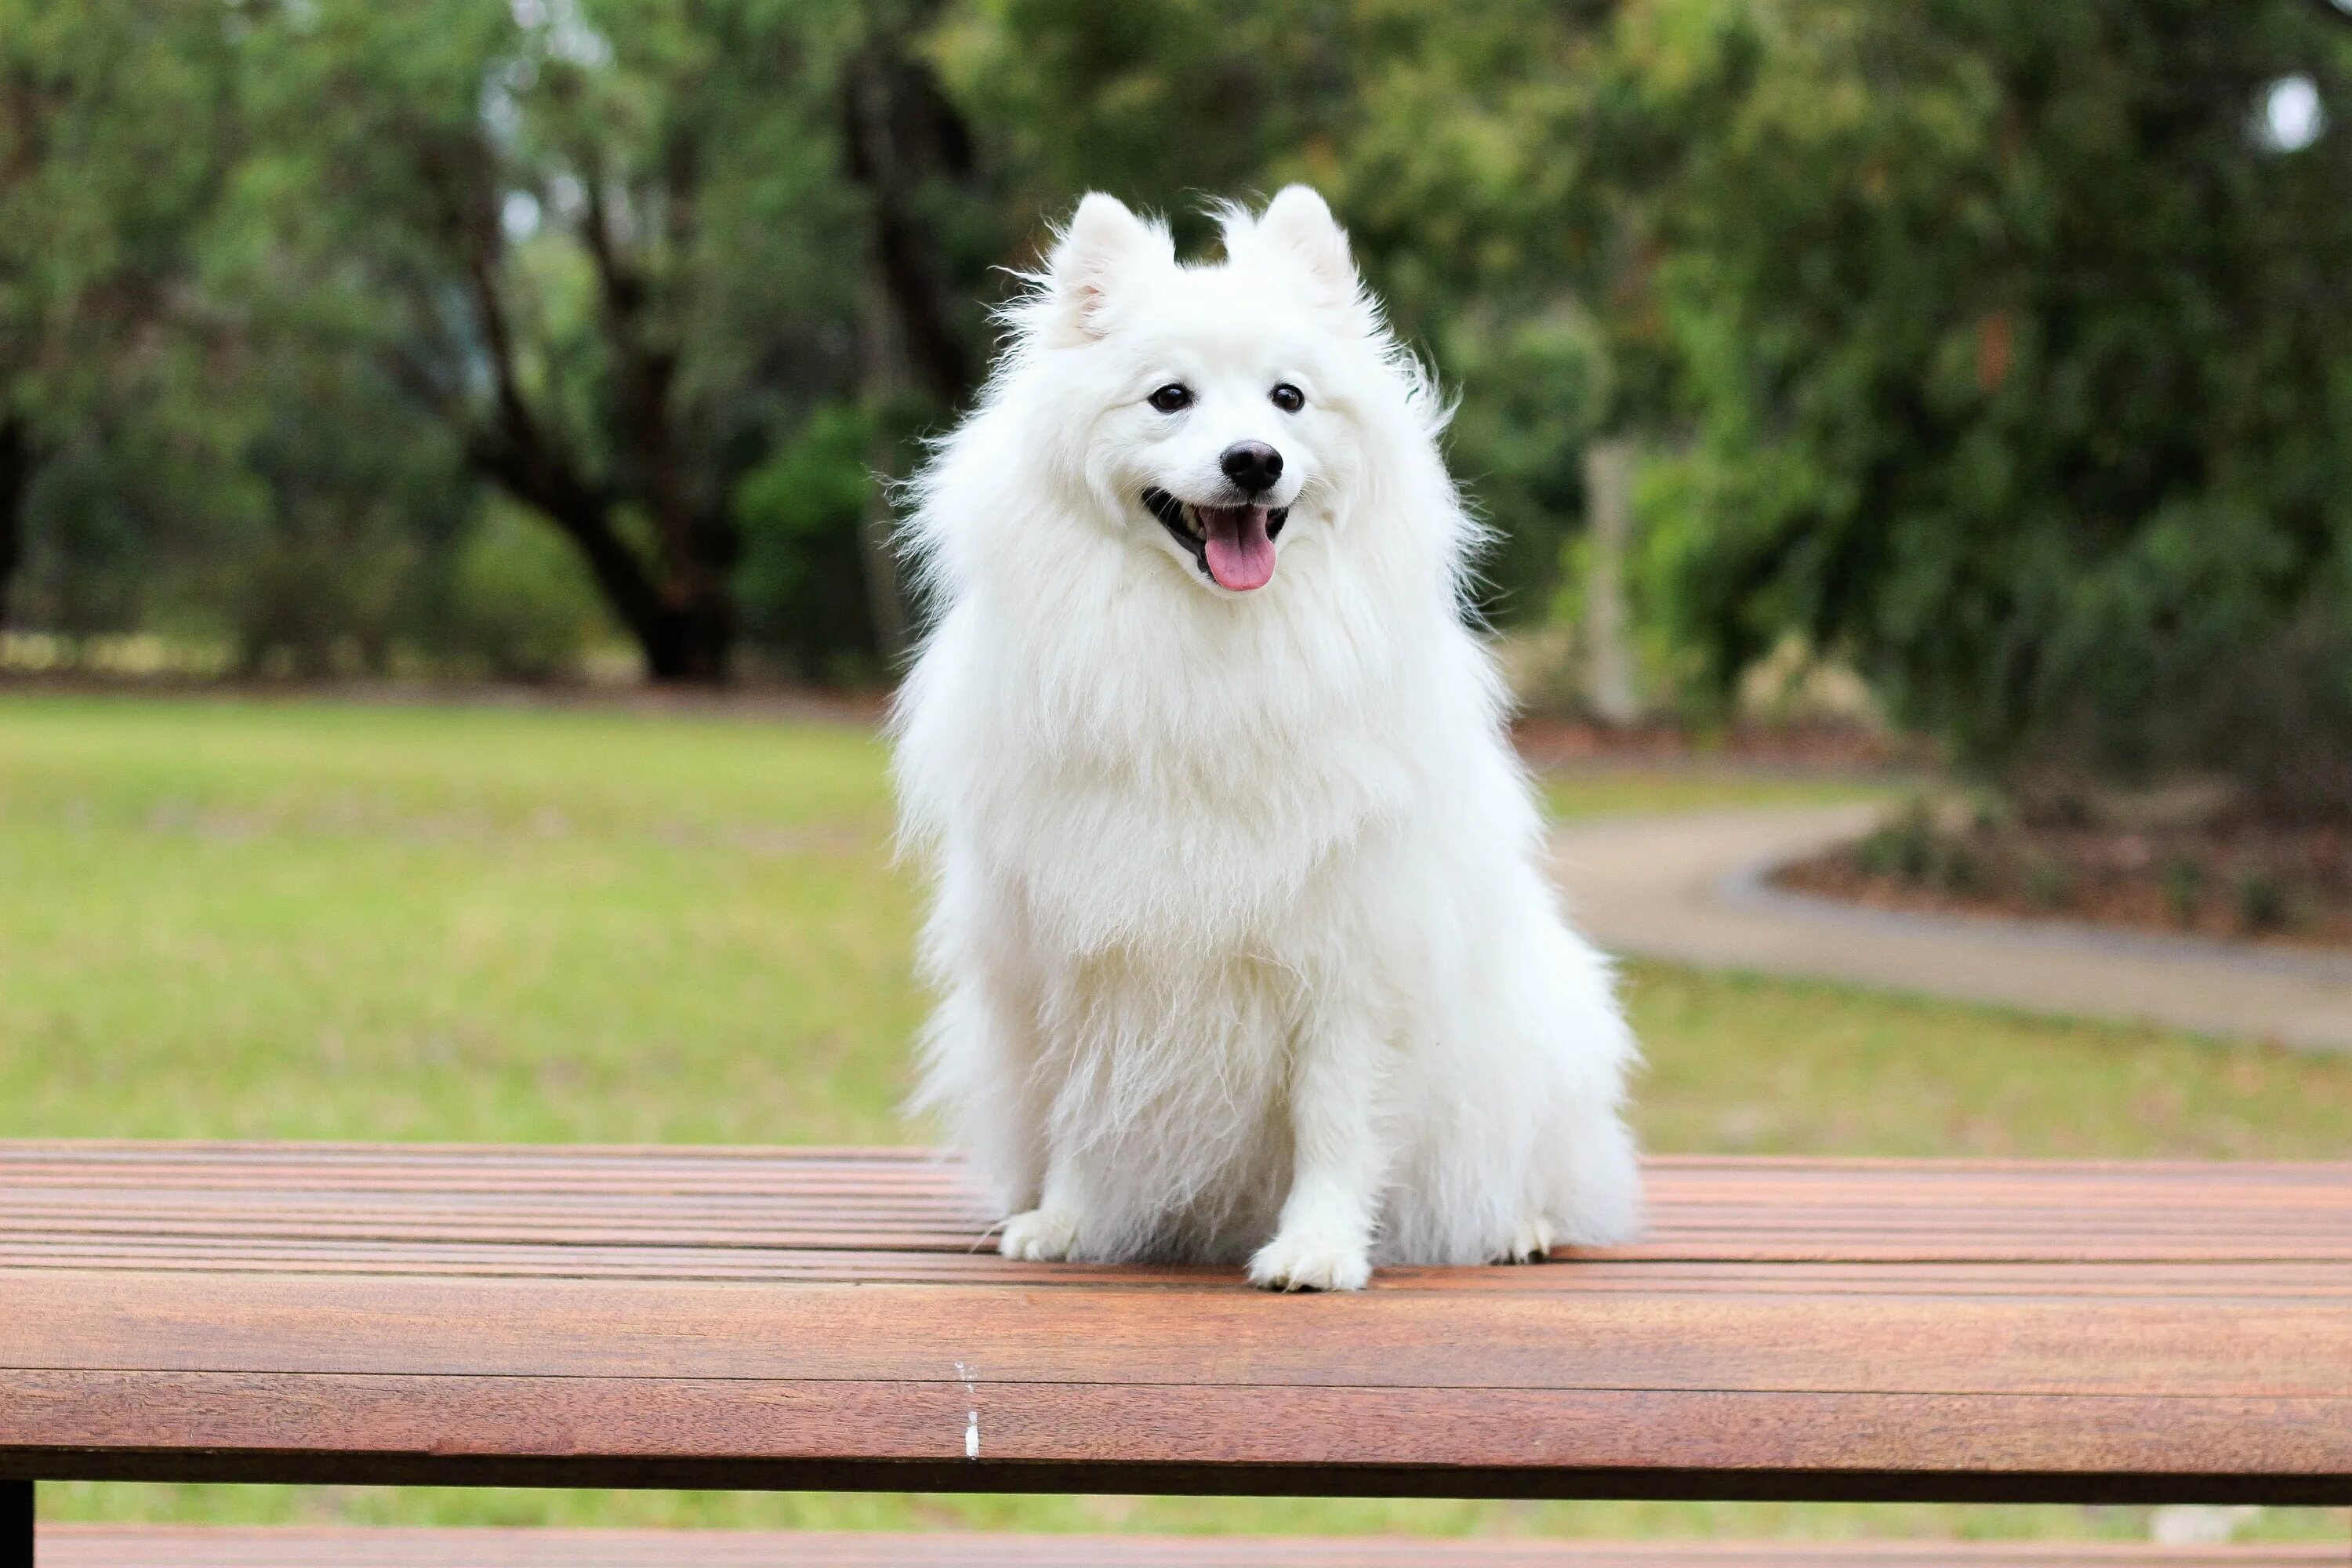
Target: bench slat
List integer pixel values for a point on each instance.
(166, 1547)
(406, 1202)
(1861, 1329)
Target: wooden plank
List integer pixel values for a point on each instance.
(119, 1546)
(902, 1200)
(1218, 1333)
(2244, 1281)
(766, 1318)
(759, 1434)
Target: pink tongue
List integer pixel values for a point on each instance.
(1239, 551)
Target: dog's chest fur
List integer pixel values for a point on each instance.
(1191, 803)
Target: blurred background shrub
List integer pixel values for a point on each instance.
(517, 603)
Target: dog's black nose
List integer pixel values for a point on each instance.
(1252, 465)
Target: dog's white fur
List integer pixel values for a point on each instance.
(1242, 941)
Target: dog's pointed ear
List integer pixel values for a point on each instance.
(1104, 247)
(1298, 223)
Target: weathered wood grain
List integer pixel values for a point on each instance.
(760, 1317)
(843, 1204)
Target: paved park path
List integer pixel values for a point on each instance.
(1691, 889)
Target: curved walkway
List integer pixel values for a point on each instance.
(1691, 889)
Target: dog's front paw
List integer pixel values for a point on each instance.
(1531, 1241)
(1039, 1235)
(1303, 1260)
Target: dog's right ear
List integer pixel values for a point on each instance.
(1104, 247)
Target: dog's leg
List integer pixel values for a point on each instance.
(1324, 1239)
(1017, 1095)
(979, 1072)
(1049, 1232)
(1602, 1203)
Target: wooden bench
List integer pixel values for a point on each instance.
(832, 1318)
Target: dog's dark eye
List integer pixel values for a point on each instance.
(1287, 397)
(1172, 397)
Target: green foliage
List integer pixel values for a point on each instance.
(2023, 375)
(114, 136)
(2183, 881)
(318, 498)
(1907, 847)
(1531, 386)
(518, 605)
(1455, 142)
(800, 513)
(2263, 901)
(1984, 346)
(2048, 883)
(1168, 102)
(89, 557)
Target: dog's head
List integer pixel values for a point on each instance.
(1220, 405)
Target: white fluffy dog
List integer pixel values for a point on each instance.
(1243, 948)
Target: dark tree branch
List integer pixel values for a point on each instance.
(902, 140)
(677, 609)
(900, 133)
(692, 538)
(646, 372)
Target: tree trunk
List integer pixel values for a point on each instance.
(689, 636)
(677, 609)
(692, 643)
(1608, 624)
(685, 630)
(17, 462)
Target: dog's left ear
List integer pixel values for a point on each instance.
(1298, 223)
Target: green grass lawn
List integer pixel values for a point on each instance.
(1616, 789)
(236, 918)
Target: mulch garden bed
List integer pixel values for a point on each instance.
(1796, 747)
(2288, 887)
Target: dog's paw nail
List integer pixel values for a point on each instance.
(1039, 1235)
(1310, 1262)
(1531, 1242)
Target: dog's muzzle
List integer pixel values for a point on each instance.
(1231, 545)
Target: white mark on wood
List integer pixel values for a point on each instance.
(972, 1411)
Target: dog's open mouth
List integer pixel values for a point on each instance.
(1232, 545)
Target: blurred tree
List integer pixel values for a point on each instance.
(615, 248)
(317, 505)
(1506, 172)
(2001, 350)
(1168, 103)
(2022, 363)
(1493, 165)
(115, 133)
(929, 231)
